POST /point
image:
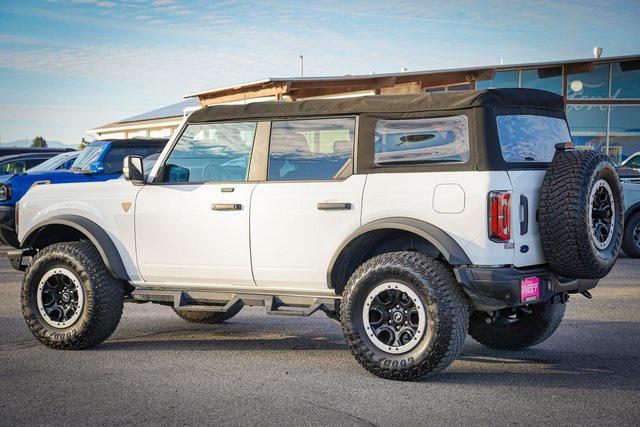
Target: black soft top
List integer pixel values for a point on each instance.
(436, 101)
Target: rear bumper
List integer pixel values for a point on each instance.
(493, 288)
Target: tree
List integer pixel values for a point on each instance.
(39, 141)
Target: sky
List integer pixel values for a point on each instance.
(71, 65)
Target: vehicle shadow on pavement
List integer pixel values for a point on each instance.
(541, 368)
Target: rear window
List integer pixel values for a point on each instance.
(530, 138)
(419, 141)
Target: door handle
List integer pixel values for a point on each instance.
(524, 218)
(334, 206)
(226, 207)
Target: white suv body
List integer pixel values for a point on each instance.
(282, 204)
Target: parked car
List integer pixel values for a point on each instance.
(62, 161)
(413, 219)
(10, 151)
(632, 162)
(99, 161)
(18, 163)
(631, 239)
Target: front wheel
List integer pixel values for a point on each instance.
(70, 300)
(516, 328)
(404, 315)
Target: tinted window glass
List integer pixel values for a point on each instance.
(624, 133)
(625, 79)
(588, 125)
(310, 149)
(16, 166)
(215, 152)
(114, 159)
(529, 138)
(501, 79)
(543, 78)
(444, 139)
(29, 163)
(589, 85)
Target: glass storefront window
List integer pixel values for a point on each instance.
(625, 80)
(589, 85)
(588, 124)
(624, 133)
(543, 78)
(501, 79)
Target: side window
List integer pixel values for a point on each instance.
(419, 141)
(16, 166)
(33, 162)
(314, 149)
(213, 152)
(633, 162)
(114, 159)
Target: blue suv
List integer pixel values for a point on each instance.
(99, 161)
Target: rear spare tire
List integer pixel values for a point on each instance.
(581, 214)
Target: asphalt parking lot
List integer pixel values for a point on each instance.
(259, 369)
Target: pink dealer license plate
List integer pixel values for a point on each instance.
(530, 289)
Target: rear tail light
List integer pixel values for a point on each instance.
(500, 216)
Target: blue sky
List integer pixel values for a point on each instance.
(70, 65)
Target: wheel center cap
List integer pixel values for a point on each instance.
(398, 317)
(66, 297)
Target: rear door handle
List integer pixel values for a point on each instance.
(226, 207)
(334, 206)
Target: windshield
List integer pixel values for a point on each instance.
(89, 155)
(51, 164)
(530, 138)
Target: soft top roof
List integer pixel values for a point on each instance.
(436, 101)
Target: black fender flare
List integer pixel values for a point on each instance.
(96, 234)
(441, 240)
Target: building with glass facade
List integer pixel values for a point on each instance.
(602, 97)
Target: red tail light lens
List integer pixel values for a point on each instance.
(500, 216)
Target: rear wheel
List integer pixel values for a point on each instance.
(207, 317)
(404, 315)
(516, 328)
(631, 240)
(69, 298)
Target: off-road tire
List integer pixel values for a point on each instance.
(207, 317)
(528, 331)
(9, 237)
(564, 215)
(629, 246)
(446, 306)
(103, 296)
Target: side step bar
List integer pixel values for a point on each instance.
(285, 305)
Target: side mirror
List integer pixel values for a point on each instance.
(96, 168)
(133, 169)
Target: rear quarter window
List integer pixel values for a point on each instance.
(530, 138)
(421, 141)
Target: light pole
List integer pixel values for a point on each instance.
(301, 66)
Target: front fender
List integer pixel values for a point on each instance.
(92, 231)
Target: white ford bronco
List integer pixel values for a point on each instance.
(411, 219)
